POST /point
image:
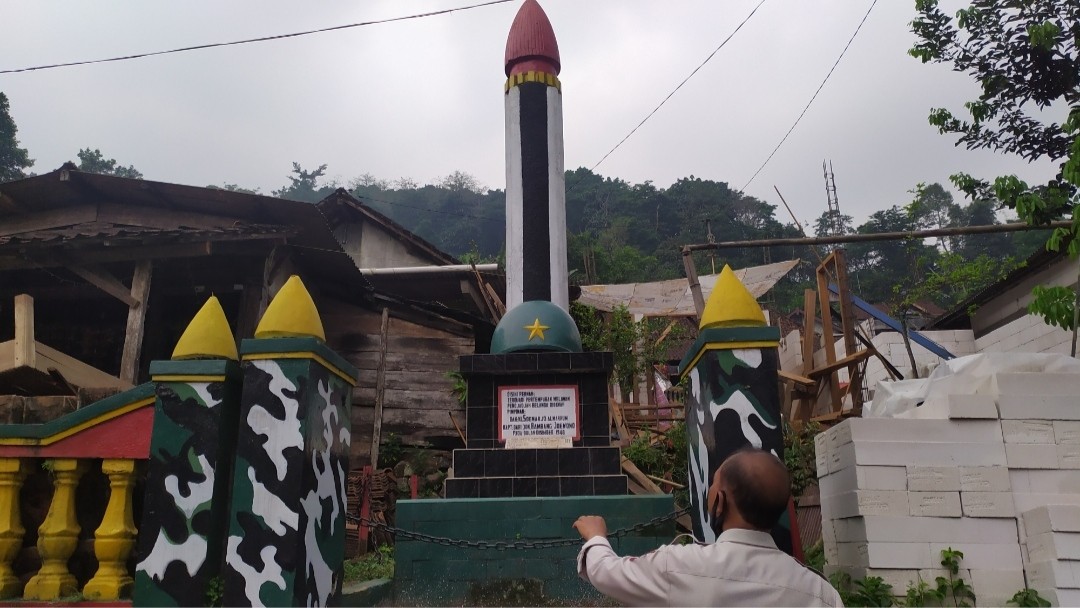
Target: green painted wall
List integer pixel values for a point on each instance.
(431, 574)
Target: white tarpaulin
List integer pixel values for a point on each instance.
(672, 298)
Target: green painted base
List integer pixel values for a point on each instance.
(431, 574)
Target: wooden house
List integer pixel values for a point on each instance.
(117, 267)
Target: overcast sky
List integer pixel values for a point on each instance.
(423, 98)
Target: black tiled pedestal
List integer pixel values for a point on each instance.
(485, 469)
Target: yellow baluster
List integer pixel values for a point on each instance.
(115, 537)
(12, 473)
(58, 535)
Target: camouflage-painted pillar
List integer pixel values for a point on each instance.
(286, 540)
(185, 506)
(732, 399)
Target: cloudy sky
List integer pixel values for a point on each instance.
(423, 98)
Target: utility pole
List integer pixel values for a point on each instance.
(711, 239)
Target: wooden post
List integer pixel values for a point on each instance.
(827, 333)
(365, 508)
(806, 407)
(847, 320)
(380, 388)
(25, 348)
(136, 322)
(692, 279)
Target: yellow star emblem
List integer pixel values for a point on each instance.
(536, 329)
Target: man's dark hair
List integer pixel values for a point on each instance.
(759, 486)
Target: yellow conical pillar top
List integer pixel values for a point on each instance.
(291, 314)
(731, 304)
(208, 336)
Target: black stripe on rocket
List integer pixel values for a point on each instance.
(535, 243)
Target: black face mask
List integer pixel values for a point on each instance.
(717, 522)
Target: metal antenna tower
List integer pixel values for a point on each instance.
(836, 222)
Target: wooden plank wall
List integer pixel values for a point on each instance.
(417, 395)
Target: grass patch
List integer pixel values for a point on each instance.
(378, 564)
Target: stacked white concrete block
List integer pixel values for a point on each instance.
(1027, 334)
(894, 492)
(1052, 552)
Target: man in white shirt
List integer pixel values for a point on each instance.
(743, 567)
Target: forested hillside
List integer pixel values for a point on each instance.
(621, 232)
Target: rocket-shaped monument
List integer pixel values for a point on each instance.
(535, 181)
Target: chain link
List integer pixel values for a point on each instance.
(502, 545)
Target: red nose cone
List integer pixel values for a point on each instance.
(531, 45)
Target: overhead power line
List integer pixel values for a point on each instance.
(676, 89)
(812, 97)
(200, 47)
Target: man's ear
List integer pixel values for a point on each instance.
(718, 505)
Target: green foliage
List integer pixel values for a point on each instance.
(948, 279)
(815, 556)
(377, 564)
(636, 346)
(13, 159)
(1054, 304)
(458, 387)
(870, 591)
(391, 451)
(1025, 57)
(662, 457)
(305, 186)
(799, 455)
(920, 593)
(93, 161)
(952, 587)
(215, 592)
(1029, 598)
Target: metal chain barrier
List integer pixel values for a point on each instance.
(505, 545)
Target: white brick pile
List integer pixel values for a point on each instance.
(895, 492)
(1028, 334)
(1051, 542)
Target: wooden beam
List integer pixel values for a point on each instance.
(100, 278)
(166, 219)
(635, 473)
(380, 388)
(797, 379)
(847, 321)
(257, 245)
(136, 322)
(25, 347)
(250, 302)
(805, 407)
(57, 218)
(831, 368)
(692, 280)
(829, 343)
(616, 414)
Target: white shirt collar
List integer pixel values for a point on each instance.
(747, 537)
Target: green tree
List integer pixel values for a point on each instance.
(13, 159)
(933, 207)
(93, 161)
(823, 224)
(234, 188)
(1025, 57)
(304, 185)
